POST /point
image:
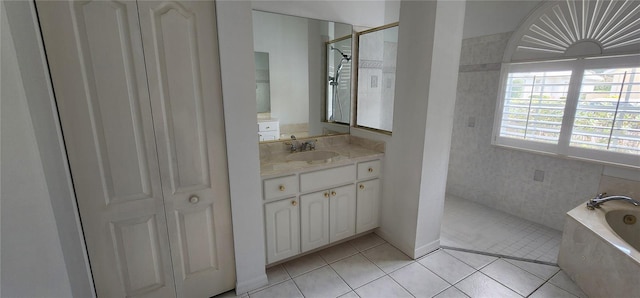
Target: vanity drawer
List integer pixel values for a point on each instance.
(268, 126)
(280, 187)
(268, 135)
(327, 178)
(368, 169)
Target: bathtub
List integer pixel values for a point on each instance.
(600, 249)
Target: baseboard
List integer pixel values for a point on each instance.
(248, 285)
(427, 248)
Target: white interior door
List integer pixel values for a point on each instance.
(95, 57)
(181, 54)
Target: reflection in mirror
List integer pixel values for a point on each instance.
(294, 75)
(339, 80)
(263, 95)
(377, 51)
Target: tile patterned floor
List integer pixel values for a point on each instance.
(368, 266)
(473, 226)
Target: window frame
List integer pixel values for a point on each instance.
(562, 148)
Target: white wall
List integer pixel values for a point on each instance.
(489, 17)
(238, 95)
(358, 13)
(42, 251)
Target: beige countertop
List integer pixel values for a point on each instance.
(276, 163)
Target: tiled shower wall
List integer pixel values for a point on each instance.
(504, 178)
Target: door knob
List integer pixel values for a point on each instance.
(294, 203)
(333, 193)
(361, 186)
(282, 188)
(326, 194)
(370, 170)
(194, 199)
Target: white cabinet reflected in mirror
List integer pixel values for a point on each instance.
(295, 68)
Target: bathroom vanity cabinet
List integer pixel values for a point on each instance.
(268, 129)
(311, 209)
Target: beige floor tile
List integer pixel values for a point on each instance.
(384, 287)
(446, 266)
(539, 270)
(367, 241)
(286, 289)
(451, 292)
(304, 264)
(474, 260)
(322, 282)
(338, 252)
(518, 280)
(549, 290)
(357, 270)
(562, 280)
(387, 257)
(478, 285)
(419, 281)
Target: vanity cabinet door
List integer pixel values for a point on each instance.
(314, 210)
(342, 212)
(368, 207)
(283, 229)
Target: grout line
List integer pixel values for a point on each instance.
(343, 280)
(512, 290)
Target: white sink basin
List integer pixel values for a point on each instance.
(312, 156)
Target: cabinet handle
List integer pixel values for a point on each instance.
(333, 193)
(268, 127)
(194, 199)
(294, 203)
(282, 188)
(361, 186)
(326, 194)
(370, 170)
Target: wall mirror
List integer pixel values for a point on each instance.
(303, 76)
(377, 52)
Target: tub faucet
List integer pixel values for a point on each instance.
(600, 198)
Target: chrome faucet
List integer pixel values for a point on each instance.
(600, 199)
(308, 145)
(293, 144)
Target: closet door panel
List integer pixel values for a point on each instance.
(180, 45)
(95, 57)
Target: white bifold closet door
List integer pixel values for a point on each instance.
(139, 97)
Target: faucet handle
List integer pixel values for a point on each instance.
(293, 145)
(311, 144)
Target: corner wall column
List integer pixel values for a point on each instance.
(235, 40)
(429, 44)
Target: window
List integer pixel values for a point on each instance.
(608, 111)
(581, 108)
